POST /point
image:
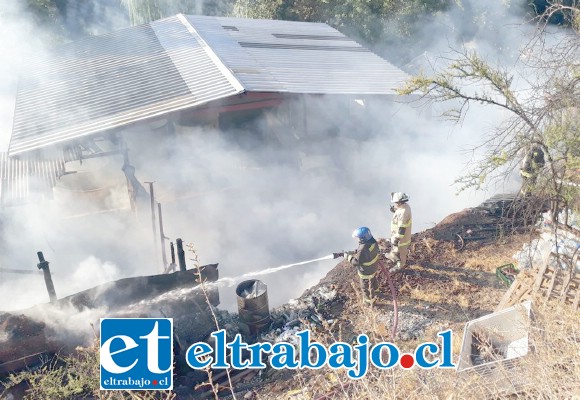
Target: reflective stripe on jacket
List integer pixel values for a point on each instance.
(366, 258)
(362, 276)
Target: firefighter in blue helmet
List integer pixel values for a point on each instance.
(366, 260)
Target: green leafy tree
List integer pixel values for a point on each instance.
(45, 19)
(259, 9)
(143, 11)
(373, 21)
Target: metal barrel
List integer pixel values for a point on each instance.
(253, 308)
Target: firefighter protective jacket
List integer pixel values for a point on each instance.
(366, 258)
(401, 225)
(532, 162)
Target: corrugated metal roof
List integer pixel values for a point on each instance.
(112, 80)
(297, 57)
(108, 81)
(23, 180)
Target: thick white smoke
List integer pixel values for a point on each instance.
(242, 203)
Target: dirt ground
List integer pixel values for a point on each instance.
(440, 288)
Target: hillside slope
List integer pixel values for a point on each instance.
(440, 288)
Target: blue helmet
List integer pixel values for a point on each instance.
(363, 234)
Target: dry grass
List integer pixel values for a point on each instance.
(554, 362)
(487, 258)
(70, 378)
(553, 366)
(461, 294)
(418, 293)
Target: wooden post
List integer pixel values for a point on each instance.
(180, 255)
(43, 265)
(162, 237)
(154, 230)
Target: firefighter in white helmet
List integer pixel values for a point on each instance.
(401, 225)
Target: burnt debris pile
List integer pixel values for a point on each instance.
(500, 215)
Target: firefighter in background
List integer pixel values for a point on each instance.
(400, 230)
(532, 163)
(366, 260)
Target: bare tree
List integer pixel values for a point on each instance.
(543, 108)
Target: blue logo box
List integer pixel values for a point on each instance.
(136, 354)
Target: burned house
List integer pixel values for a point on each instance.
(262, 81)
(96, 117)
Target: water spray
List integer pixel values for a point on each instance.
(276, 269)
(230, 281)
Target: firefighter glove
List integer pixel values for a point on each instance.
(392, 209)
(395, 256)
(395, 241)
(396, 268)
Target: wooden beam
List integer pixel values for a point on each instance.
(551, 286)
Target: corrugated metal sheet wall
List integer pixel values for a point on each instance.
(22, 181)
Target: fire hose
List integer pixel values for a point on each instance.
(389, 280)
(394, 296)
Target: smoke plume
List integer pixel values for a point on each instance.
(252, 198)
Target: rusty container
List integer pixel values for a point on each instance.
(253, 308)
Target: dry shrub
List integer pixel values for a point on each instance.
(73, 377)
(552, 367)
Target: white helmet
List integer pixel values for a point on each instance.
(399, 197)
